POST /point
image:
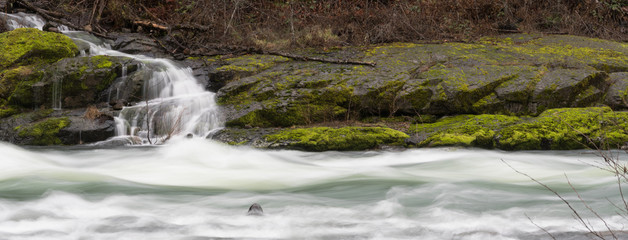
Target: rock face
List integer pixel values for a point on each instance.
(39, 70)
(513, 75)
(85, 81)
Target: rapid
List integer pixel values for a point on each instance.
(199, 189)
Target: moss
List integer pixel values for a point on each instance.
(26, 46)
(101, 61)
(463, 130)
(342, 139)
(16, 85)
(251, 63)
(567, 128)
(44, 132)
(7, 111)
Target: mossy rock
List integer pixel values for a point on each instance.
(8, 111)
(567, 128)
(512, 75)
(339, 139)
(19, 86)
(463, 130)
(26, 46)
(43, 132)
(82, 81)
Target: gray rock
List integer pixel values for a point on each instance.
(617, 96)
(85, 81)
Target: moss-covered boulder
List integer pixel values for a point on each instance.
(20, 87)
(57, 127)
(341, 139)
(43, 132)
(554, 129)
(513, 75)
(567, 128)
(24, 53)
(84, 81)
(26, 46)
(462, 130)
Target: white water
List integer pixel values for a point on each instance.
(22, 20)
(175, 103)
(197, 189)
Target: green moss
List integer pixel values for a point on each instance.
(463, 130)
(343, 139)
(251, 63)
(26, 46)
(101, 61)
(7, 111)
(567, 128)
(16, 85)
(44, 132)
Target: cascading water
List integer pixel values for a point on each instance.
(175, 103)
(23, 20)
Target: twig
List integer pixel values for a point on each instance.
(235, 8)
(544, 230)
(589, 207)
(150, 13)
(573, 210)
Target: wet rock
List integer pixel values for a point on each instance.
(255, 210)
(119, 142)
(617, 96)
(85, 81)
(135, 43)
(84, 130)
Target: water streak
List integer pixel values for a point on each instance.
(200, 189)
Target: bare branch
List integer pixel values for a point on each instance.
(573, 210)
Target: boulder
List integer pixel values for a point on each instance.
(514, 75)
(617, 96)
(27, 46)
(314, 139)
(83, 81)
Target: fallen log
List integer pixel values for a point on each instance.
(149, 24)
(231, 50)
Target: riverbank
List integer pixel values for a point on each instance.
(511, 92)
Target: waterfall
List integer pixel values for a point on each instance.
(175, 104)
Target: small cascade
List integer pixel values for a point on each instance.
(56, 94)
(23, 20)
(117, 85)
(175, 103)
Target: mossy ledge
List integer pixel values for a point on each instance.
(44, 132)
(555, 129)
(341, 139)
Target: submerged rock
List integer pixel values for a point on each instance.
(255, 210)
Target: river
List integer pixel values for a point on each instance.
(199, 189)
